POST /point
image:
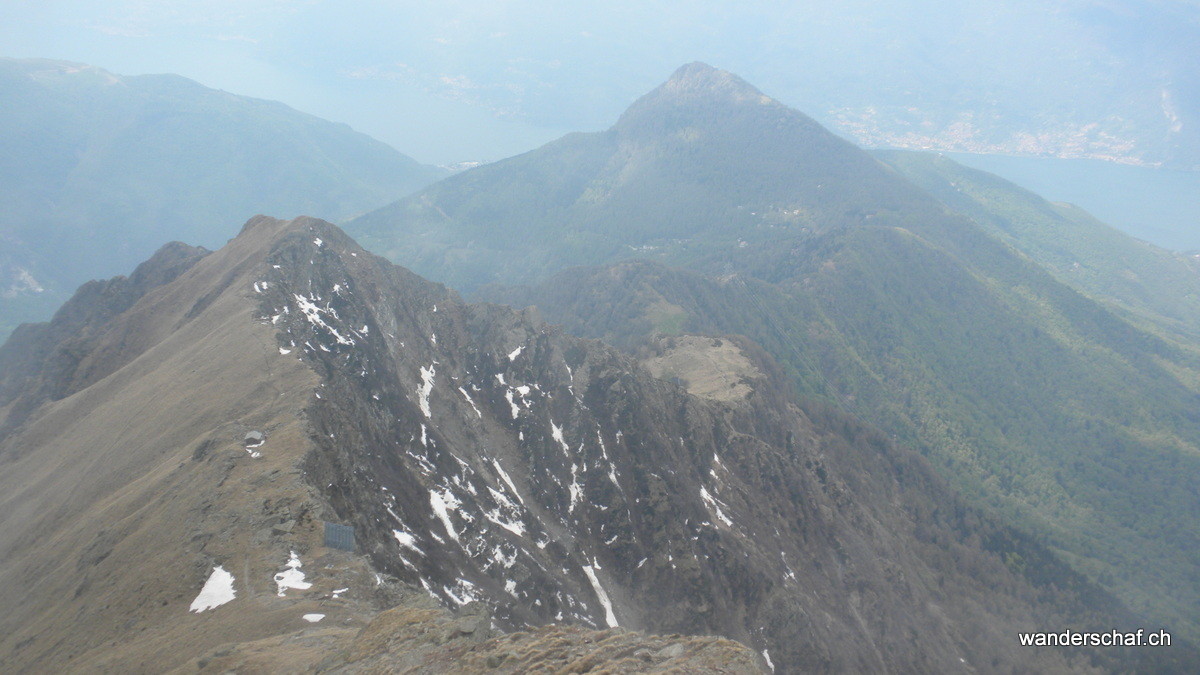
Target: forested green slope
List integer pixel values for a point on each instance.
(1136, 277)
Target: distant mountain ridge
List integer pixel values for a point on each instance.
(1149, 282)
(1033, 398)
(98, 169)
(657, 181)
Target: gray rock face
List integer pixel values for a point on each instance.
(487, 457)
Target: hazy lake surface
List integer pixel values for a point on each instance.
(1159, 205)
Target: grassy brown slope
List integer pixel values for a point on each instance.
(123, 495)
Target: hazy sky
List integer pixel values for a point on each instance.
(465, 80)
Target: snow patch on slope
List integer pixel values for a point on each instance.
(442, 504)
(609, 617)
(715, 506)
(507, 481)
(313, 313)
(556, 433)
(468, 397)
(292, 577)
(217, 591)
(407, 541)
(426, 387)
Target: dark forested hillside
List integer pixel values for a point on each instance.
(97, 170)
(1034, 399)
(1051, 429)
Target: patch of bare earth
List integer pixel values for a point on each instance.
(709, 367)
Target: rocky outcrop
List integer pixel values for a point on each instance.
(418, 636)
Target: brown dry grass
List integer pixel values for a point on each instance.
(710, 367)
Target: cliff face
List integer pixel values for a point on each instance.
(486, 456)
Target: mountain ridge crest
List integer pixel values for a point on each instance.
(696, 84)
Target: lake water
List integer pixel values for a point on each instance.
(1158, 205)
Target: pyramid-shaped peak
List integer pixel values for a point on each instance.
(695, 70)
(695, 87)
(701, 79)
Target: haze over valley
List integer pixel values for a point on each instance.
(594, 356)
